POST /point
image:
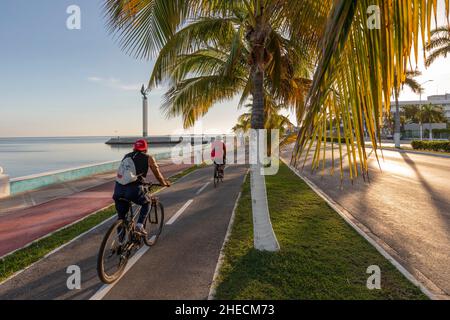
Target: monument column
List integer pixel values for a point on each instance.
(144, 113)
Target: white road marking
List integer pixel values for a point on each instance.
(202, 188)
(179, 212)
(103, 291)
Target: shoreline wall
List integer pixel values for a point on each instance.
(20, 185)
(33, 182)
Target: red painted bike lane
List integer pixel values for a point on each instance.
(19, 228)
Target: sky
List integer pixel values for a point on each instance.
(60, 82)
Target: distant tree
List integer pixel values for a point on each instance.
(431, 114)
(273, 120)
(426, 114)
(411, 113)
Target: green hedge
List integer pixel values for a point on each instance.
(443, 146)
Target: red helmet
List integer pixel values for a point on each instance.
(141, 145)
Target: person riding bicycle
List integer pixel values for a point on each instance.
(219, 154)
(130, 181)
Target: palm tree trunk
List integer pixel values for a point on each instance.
(258, 97)
(397, 122)
(431, 131)
(263, 235)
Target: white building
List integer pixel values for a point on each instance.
(412, 130)
(438, 100)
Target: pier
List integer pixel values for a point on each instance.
(168, 140)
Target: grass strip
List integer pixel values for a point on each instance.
(25, 257)
(321, 256)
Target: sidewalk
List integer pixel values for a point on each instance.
(405, 147)
(404, 144)
(40, 212)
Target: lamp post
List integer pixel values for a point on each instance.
(420, 115)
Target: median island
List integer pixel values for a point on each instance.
(321, 257)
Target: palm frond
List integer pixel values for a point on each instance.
(192, 98)
(439, 44)
(205, 34)
(412, 83)
(131, 21)
(358, 66)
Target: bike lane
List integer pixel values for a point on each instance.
(37, 221)
(180, 265)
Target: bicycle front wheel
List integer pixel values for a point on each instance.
(112, 256)
(154, 224)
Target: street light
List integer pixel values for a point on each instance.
(420, 118)
(421, 90)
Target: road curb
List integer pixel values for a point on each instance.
(214, 283)
(336, 207)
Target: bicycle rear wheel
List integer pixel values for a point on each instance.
(112, 256)
(154, 224)
(216, 177)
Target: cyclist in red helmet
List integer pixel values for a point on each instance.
(129, 182)
(219, 154)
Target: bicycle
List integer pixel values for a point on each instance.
(218, 173)
(113, 256)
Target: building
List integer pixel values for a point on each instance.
(438, 100)
(413, 130)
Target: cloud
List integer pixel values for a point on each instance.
(94, 79)
(115, 83)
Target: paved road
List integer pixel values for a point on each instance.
(57, 206)
(180, 266)
(406, 207)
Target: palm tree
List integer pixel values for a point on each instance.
(210, 50)
(431, 114)
(424, 114)
(412, 113)
(273, 120)
(439, 44)
(416, 88)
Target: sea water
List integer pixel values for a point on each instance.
(25, 156)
